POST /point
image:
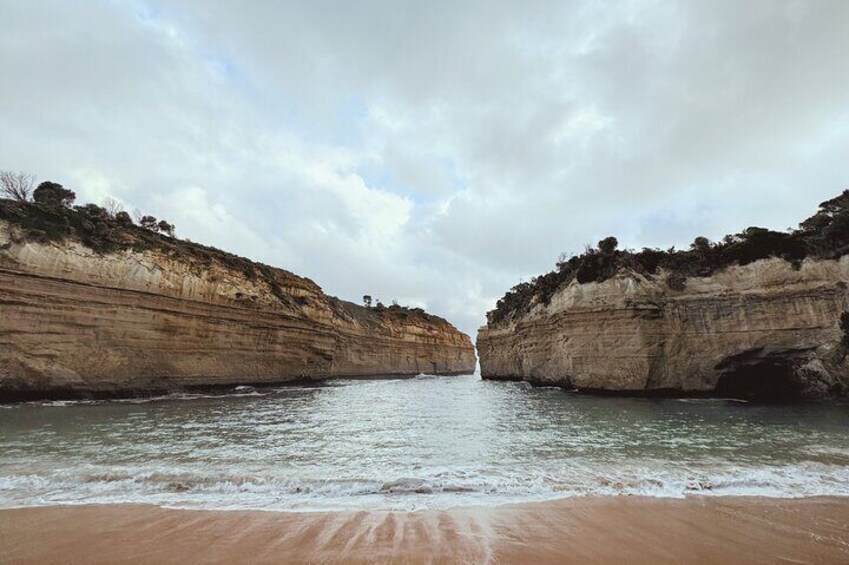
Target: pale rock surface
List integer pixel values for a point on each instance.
(634, 334)
(73, 321)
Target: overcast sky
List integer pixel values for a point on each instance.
(432, 152)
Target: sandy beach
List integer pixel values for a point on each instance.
(586, 530)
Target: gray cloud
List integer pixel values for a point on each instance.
(432, 152)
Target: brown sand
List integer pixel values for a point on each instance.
(587, 530)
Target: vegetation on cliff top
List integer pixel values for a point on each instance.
(47, 213)
(51, 216)
(824, 235)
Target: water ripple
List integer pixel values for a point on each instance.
(428, 442)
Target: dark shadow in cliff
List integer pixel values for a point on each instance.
(767, 382)
(786, 376)
(764, 381)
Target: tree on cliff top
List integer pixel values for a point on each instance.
(166, 228)
(148, 222)
(112, 206)
(608, 245)
(828, 230)
(124, 218)
(17, 186)
(54, 194)
(157, 226)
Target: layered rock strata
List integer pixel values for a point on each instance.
(765, 331)
(77, 322)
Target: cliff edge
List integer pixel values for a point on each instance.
(759, 316)
(90, 306)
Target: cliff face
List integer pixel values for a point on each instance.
(762, 331)
(75, 321)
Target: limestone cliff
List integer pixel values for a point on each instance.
(160, 316)
(766, 330)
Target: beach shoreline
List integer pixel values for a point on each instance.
(574, 530)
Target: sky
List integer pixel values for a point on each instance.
(434, 153)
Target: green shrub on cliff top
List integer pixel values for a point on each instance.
(824, 235)
(51, 216)
(53, 194)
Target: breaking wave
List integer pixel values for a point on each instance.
(437, 490)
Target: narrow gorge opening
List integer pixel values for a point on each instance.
(769, 380)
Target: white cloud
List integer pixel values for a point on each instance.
(432, 152)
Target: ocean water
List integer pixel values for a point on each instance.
(410, 444)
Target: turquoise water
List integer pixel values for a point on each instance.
(427, 442)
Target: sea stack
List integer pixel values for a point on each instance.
(94, 305)
(759, 316)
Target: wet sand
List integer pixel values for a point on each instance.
(584, 530)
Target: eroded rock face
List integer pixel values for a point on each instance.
(73, 322)
(764, 331)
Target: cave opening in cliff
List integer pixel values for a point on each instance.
(769, 380)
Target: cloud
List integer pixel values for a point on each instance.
(433, 153)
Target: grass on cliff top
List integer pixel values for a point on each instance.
(98, 230)
(824, 235)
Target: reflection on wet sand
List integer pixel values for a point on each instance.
(581, 530)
